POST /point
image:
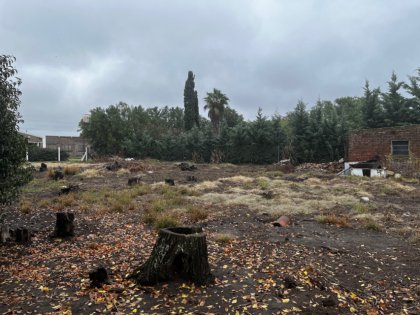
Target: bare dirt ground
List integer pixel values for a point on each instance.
(338, 255)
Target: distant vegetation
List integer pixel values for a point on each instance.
(305, 135)
(37, 154)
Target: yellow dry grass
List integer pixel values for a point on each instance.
(239, 179)
(286, 201)
(207, 185)
(91, 173)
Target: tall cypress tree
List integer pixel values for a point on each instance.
(191, 113)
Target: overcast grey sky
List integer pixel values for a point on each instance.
(76, 55)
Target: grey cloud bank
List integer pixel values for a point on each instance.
(75, 55)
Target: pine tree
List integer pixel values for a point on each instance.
(394, 104)
(299, 121)
(413, 103)
(191, 112)
(371, 108)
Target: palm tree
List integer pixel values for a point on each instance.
(215, 104)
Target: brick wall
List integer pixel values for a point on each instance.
(366, 144)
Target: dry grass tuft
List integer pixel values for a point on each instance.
(237, 179)
(71, 169)
(207, 185)
(123, 172)
(313, 181)
(263, 183)
(224, 238)
(362, 207)
(415, 238)
(25, 206)
(333, 219)
(165, 222)
(91, 173)
(197, 213)
(369, 221)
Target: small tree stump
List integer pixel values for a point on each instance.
(43, 167)
(4, 233)
(134, 180)
(169, 181)
(187, 167)
(64, 226)
(191, 178)
(98, 277)
(114, 166)
(22, 235)
(68, 189)
(58, 174)
(178, 252)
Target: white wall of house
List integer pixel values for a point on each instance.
(374, 172)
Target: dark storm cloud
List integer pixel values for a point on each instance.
(76, 55)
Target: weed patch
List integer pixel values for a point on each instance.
(197, 213)
(165, 222)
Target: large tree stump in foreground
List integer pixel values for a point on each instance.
(179, 252)
(64, 226)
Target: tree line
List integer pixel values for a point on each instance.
(316, 134)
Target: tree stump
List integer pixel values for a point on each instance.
(98, 277)
(179, 252)
(58, 174)
(64, 226)
(43, 167)
(169, 181)
(22, 235)
(4, 233)
(68, 189)
(134, 180)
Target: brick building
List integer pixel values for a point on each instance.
(74, 146)
(32, 139)
(396, 148)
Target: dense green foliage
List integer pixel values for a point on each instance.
(191, 112)
(13, 173)
(37, 154)
(317, 134)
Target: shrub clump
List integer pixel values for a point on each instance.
(37, 154)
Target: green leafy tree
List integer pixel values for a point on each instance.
(13, 173)
(231, 117)
(216, 102)
(191, 116)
